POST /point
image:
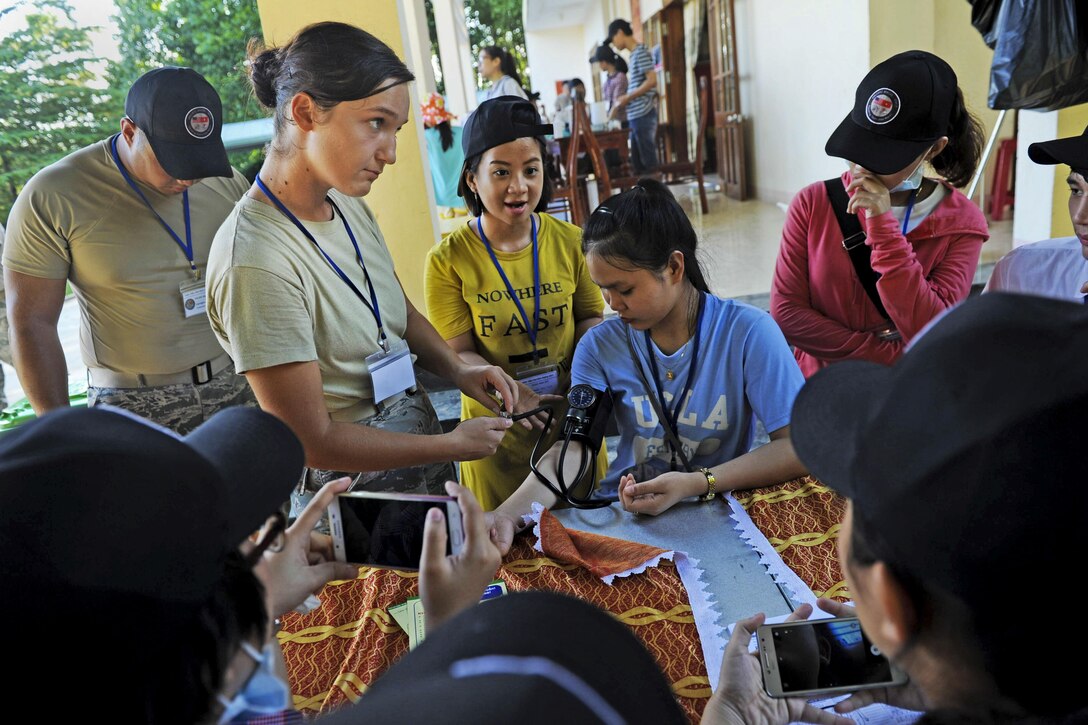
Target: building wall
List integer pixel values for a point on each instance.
(403, 199)
(560, 54)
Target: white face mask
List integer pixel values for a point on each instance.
(913, 181)
(262, 694)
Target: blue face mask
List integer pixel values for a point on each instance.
(263, 693)
(912, 182)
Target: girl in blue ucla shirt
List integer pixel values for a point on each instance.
(713, 365)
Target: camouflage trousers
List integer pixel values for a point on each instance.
(411, 414)
(183, 407)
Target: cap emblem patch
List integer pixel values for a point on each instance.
(199, 122)
(883, 106)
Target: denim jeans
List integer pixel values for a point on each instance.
(644, 142)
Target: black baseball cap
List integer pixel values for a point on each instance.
(1072, 151)
(964, 460)
(182, 116)
(498, 121)
(101, 503)
(901, 107)
(532, 657)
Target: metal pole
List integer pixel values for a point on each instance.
(986, 154)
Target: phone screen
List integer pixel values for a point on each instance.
(385, 532)
(827, 654)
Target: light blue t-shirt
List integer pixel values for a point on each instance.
(745, 371)
(445, 166)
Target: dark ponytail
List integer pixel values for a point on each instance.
(506, 64)
(960, 158)
(640, 229)
(331, 62)
(445, 135)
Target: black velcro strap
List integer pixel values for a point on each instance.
(854, 242)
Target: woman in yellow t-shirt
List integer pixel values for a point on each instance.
(510, 288)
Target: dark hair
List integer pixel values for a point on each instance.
(605, 54)
(641, 228)
(506, 63)
(472, 164)
(576, 82)
(620, 63)
(445, 133)
(331, 62)
(617, 25)
(960, 158)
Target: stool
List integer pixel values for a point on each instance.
(1001, 193)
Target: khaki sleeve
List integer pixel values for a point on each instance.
(261, 319)
(37, 235)
(446, 307)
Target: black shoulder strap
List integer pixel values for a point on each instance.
(853, 241)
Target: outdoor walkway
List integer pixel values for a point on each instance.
(738, 240)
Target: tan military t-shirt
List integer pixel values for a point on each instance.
(78, 219)
(273, 299)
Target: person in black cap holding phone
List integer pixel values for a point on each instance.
(128, 221)
(1055, 268)
(964, 467)
(869, 258)
(511, 288)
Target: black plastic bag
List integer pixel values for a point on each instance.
(1039, 59)
(983, 17)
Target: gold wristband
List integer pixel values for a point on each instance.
(710, 481)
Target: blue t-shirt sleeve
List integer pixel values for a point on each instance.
(586, 365)
(772, 378)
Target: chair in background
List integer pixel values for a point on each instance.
(679, 171)
(569, 190)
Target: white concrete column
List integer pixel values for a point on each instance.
(1034, 182)
(419, 46)
(456, 54)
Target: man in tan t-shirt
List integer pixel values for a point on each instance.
(129, 221)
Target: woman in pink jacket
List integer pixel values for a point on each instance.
(867, 260)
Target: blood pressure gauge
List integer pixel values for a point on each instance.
(581, 396)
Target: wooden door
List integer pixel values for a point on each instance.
(665, 31)
(728, 120)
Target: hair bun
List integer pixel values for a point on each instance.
(264, 67)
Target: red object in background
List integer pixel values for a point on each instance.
(1001, 193)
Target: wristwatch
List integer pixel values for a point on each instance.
(710, 481)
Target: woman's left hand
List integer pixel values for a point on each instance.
(660, 493)
(869, 193)
(740, 697)
(482, 382)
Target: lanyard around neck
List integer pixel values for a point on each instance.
(910, 206)
(529, 329)
(372, 305)
(673, 411)
(187, 245)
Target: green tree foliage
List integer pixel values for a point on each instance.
(209, 36)
(49, 105)
(497, 22)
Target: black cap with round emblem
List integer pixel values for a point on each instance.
(901, 107)
(182, 116)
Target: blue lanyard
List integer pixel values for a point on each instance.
(372, 305)
(673, 411)
(910, 206)
(187, 245)
(530, 330)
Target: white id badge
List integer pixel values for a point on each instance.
(391, 372)
(194, 298)
(541, 379)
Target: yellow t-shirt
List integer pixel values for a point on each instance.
(466, 293)
(273, 299)
(78, 219)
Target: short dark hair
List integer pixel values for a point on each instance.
(617, 25)
(576, 82)
(472, 164)
(332, 62)
(641, 228)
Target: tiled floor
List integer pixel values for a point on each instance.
(738, 241)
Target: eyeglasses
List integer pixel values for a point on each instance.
(270, 537)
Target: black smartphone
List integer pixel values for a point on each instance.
(822, 657)
(386, 529)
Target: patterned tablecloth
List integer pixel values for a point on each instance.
(335, 652)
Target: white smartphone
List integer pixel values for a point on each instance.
(822, 657)
(386, 529)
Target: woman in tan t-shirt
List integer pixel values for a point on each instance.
(302, 289)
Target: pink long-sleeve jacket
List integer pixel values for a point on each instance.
(822, 308)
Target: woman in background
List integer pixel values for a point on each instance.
(497, 65)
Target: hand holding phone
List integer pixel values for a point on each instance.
(385, 530)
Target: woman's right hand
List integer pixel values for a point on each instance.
(907, 696)
(528, 400)
(477, 438)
